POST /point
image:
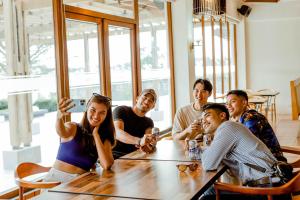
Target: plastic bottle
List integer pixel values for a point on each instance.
(193, 149)
(155, 132)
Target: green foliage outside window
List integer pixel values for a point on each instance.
(49, 104)
(3, 104)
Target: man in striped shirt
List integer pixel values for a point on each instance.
(234, 145)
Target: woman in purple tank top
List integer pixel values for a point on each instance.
(82, 144)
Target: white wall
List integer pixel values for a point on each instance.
(182, 16)
(182, 19)
(273, 48)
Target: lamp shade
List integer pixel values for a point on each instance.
(209, 7)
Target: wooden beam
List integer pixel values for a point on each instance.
(222, 55)
(61, 56)
(171, 58)
(203, 46)
(213, 55)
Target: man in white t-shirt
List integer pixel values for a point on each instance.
(187, 123)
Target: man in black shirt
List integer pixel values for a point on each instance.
(133, 128)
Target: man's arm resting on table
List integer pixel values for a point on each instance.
(181, 135)
(123, 136)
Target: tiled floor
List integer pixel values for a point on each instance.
(288, 134)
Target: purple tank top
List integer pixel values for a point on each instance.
(74, 153)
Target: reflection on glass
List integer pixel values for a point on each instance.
(154, 59)
(2, 44)
(222, 56)
(28, 97)
(120, 65)
(122, 8)
(83, 61)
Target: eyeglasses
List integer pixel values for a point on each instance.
(183, 167)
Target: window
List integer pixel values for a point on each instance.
(215, 53)
(96, 63)
(116, 8)
(155, 68)
(83, 61)
(28, 87)
(120, 55)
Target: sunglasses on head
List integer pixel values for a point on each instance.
(183, 167)
(102, 97)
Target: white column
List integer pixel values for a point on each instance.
(182, 19)
(24, 100)
(11, 57)
(19, 106)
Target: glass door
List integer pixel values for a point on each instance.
(119, 61)
(83, 60)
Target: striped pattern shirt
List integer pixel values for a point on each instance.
(234, 145)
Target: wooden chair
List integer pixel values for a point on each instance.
(295, 98)
(292, 186)
(27, 169)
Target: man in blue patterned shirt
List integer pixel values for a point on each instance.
(237, 104)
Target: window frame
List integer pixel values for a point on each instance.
(230, 44)
(62, 11)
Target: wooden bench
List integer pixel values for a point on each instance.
(295, 98)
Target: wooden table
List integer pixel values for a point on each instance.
(165, 150)
(154, 178)
(257, 101)
(271, 101)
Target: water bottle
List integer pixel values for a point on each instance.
(193, 149)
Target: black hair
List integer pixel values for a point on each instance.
(239, 93)
(218, 107)
(206, 84)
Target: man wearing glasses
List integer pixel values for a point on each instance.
(133, 128)
(187, 123)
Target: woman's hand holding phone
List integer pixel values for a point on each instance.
(79, 105)
(63, 106)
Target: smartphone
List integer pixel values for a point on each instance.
(79, 105)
